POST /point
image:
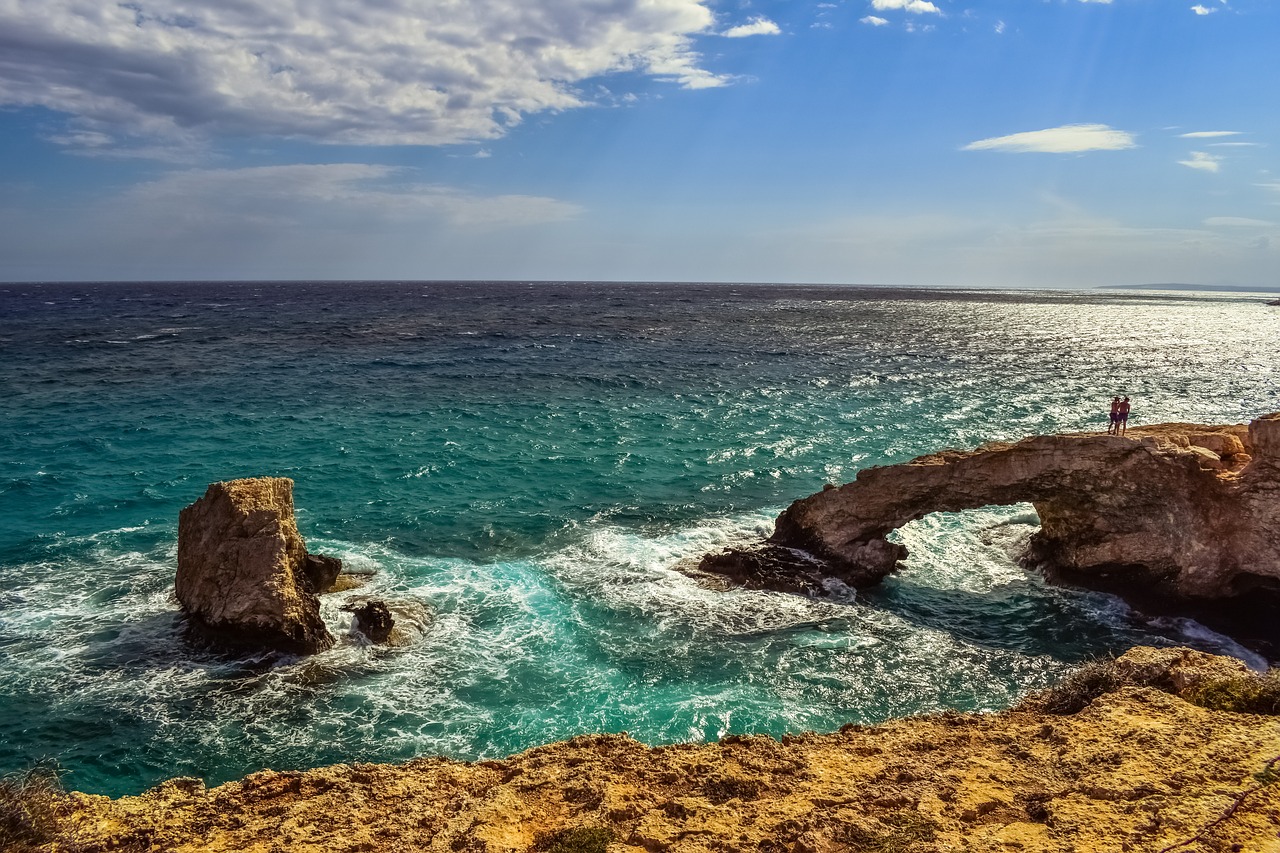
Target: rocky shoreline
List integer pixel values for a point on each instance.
(1159, 750)
(1181, 517)
(1151, 752)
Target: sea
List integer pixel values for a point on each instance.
(528, 472)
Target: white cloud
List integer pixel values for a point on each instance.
(1203, 161)
(999, 28)
(84, 139)
(874, 21)
(916, 7)
(282, 196)
(1068, 139)
(390, 72)
(1202, 10)
(1209, 134)
(758, 26)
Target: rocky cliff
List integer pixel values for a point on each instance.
(1190, 511)
(244, 578)
(1115, 759)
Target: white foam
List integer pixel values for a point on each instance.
(1203, 637)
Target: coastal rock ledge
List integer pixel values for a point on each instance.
(1185, 511)
(245, 579)
(1162, 749)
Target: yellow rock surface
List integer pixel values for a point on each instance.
(1138, 769)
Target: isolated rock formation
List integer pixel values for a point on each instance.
(1191, 511)
(245, 579)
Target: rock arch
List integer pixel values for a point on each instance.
(1191, 510)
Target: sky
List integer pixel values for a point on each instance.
(972, 143)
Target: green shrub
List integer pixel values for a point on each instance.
(1247, 694)
(580, 839)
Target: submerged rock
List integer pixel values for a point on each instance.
(245, 580)
(372, 618)
(1186, 511)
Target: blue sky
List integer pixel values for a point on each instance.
(992, 143)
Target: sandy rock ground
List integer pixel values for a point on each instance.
(1138, 769)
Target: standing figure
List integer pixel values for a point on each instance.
(1123, 411)
(1113, 425)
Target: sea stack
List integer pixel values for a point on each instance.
(244, 578)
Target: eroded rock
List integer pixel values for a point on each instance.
(1190, 511)
(321, 572)
(372, 618)
(244, 578)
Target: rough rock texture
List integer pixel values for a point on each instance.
(372, 618)
(1191, 511)
(242, 569)
(321, 573)
(1138, 769)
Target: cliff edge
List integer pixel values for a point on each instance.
(1150, 752)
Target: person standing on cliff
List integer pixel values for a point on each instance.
(1123, 411)
(1113, 425)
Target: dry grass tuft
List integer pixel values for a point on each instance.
(1243, 694)
(29, 809)
(1074, 693)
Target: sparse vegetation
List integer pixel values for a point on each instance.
(1074, 693)
(29, 803)
(906, 832)
(579, 839)
(721, 790)
(1245, 695)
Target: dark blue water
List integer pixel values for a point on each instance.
(527, 468)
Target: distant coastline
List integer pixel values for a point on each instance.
(1212, 288)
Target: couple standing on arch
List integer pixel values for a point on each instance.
(1119, 416)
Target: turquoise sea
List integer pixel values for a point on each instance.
(527, 468)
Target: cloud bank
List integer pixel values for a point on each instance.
(340, 71)
(1068, 139)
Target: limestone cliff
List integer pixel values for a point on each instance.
(1191, 511)
(244, 578)
(1128, 765)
